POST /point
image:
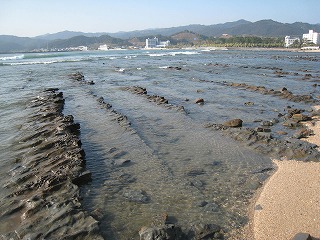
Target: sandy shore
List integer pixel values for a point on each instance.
(289, 202)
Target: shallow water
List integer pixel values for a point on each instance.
(185, 170)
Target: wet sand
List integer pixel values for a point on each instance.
(289, 202)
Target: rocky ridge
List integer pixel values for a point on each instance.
(45, 198)
(276, 144)
(159, 100)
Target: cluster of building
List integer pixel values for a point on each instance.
(155, 43)
(308, 38)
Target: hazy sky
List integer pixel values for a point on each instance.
(37, 17)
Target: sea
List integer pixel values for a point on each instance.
(181, 168)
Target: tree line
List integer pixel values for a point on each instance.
(241, 41)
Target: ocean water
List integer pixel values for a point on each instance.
(185, 170)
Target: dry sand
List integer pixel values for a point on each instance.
(289, 202)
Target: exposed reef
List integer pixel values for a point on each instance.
(159, 100)
(282, 93)
(276, 143)
(44, 202)
(79, 77)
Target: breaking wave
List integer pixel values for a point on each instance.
(173, 54)
(10, 58)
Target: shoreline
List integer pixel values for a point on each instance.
(287, 202)
(210, 48)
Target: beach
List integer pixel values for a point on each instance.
(289, 202)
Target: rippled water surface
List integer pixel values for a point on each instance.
(180, 167)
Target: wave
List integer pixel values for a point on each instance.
(10, 58)
(32, 56)
(173, 53)
(39, 62)
(45, 55)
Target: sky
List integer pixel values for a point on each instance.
(29, 18)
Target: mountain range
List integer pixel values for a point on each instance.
(263, 28)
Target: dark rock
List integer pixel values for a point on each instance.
(137, 90)
(301, 117)
(249, 103)
(307, 76)
(68, 118)
(53, 90)
(263, 170)
(78, 76)
(204, 231)
(291, 123)
(274, 121)
(82, 178)
(292, 111)
(73, 128)
(218, 235)
(233, 123)
(302, 236)
(167, 232)
(175, 68)
(302, 133)
(199, 101)
(260, 129)
(267, 123)
(201, 203)
(100, 100)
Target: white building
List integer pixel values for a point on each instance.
(312, 36)
(103, 47)
(289, 41)
(151, 43)
(155, 43)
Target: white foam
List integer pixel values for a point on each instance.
(120, 70)
(40, 62)
(157, 54)
(16, 57)
(173, 53)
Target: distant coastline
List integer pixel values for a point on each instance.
(241, 33)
